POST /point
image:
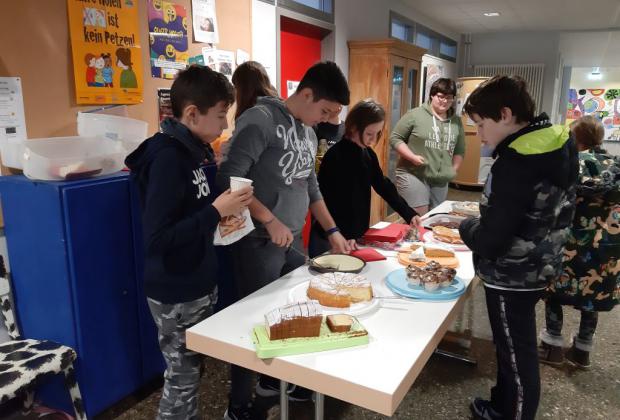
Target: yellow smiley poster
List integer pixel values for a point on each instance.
(105, 42)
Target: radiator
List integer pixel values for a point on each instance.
(532, 73)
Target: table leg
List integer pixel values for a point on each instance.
(455, 356)
(283, 400)
(319, 406)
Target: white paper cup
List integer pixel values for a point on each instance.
(237, 183)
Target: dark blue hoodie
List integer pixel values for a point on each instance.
(178, 219)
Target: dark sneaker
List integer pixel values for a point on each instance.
(299, 394)
(578, 357)
(243, 413)
(269, 387)
(482, 410)
(550, 355)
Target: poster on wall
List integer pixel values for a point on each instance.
(291, 87)
(432, 72)
(164, 104)
(167, 38)
(105, 45)
(603, 104)
(209, 55)
(219, 60)
(204, 21)
(12, 116)
(242, 56)
(226, 63)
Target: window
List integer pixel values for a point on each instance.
(409, 31)
(447, 49)
(424, 41)
(399, 31)
(401, 28)
(320, 9)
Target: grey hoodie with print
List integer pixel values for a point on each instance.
(277, 152)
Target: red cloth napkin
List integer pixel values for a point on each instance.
(368, 254)
(393, 233)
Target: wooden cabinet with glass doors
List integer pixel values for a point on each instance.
(389, 72)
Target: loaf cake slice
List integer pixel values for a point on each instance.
(301, 319)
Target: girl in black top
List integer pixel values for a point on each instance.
(348, 170)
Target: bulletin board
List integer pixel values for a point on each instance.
(37, 48)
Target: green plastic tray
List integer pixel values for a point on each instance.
(327, 340)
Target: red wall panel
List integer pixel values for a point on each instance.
(297, 53)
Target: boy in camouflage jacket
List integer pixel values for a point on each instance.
(590, 279)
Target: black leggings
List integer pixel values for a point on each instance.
(513, 322)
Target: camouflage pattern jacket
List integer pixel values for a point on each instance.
(590, 277)
(526, 209)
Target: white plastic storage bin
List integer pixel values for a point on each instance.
(128, 131)
(12, 151)
(66, 158)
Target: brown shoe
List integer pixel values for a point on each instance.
(550, 355)
(578, 357)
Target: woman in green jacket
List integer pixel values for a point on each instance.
(430, 141)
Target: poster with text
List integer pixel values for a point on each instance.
(105, 42)
(167, 38)
(226, 63)
(603, 104)
(204, 21)
(12, 115)
(164, 104)
(210, 57)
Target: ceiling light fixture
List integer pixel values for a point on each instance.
(491, 14)
(595, 74)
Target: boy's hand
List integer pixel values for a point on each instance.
(229, 203)
(415, 222)
(418, 160)
(279, 233)
(339, 244)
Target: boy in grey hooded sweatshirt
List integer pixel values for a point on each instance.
(274, 145)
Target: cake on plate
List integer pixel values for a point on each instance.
(444, 234)
(339, 290)
(339, 322)
(420, 254)
(301, 319)
(431, 276)
(467, 208)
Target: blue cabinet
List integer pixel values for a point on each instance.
(75, 250)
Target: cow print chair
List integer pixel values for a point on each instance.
(25, 362)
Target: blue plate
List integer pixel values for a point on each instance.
(397, 282)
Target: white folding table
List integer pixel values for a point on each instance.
(403, 335)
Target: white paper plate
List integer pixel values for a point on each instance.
(299, 294)
(465, 207)
(430, 238)
(441, 218)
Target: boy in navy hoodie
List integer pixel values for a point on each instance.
(179, 222)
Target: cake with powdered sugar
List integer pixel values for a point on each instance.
(301, 319)
(340, 290)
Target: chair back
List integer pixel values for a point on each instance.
(5, 302)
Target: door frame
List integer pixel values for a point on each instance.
(328, 43)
